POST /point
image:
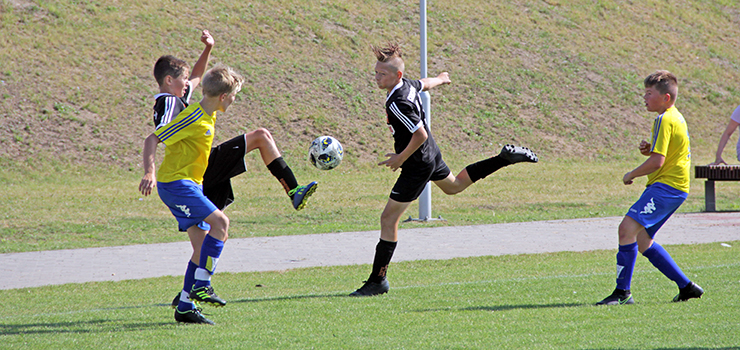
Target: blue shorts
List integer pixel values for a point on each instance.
(655, 206)
(187, 203)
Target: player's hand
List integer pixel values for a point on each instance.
(394, 161)
(718, 161)
(445, 77)
(207, 39)
(645, 148)
(627, 179)
(147, 184)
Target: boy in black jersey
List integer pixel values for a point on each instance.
(227, 159)
(418, 156)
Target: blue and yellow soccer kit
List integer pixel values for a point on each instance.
(188, 138)
(667, 187)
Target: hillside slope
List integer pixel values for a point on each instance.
(561, 77)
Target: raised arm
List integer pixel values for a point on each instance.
(441, 79)
(201, 65)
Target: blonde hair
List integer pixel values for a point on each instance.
(390, 55)
(663, 81)
(221, 79)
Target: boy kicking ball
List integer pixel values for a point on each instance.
(225, 160)
(188, 138)
(668, 171)
(418, 157)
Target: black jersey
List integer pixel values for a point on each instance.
(168, 106)
(404, 117)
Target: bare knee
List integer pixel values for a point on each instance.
(263, 134)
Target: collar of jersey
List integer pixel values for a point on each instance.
(398, 86)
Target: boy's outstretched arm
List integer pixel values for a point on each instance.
(441, 79)
(201, 65)
(150, 150)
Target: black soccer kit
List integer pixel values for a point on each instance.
(404, 117)
(225, 161)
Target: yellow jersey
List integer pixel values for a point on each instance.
(188, 139)
(670, 138)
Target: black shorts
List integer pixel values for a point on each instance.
(414, 178)
(226, 161)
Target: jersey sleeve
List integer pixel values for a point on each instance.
(662, 130)
(165, 109)
(406, 114)
(736, 115)
(416, 84)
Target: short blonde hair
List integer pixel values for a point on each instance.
(221, 79)
(663, 81)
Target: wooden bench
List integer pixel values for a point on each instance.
(715, 173)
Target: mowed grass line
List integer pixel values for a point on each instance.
(535, 301)
(69, 208)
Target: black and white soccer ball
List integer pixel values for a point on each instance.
(325, 153)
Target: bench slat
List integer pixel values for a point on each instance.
(718, 172)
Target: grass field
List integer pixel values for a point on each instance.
(92, 207)
(539, 301)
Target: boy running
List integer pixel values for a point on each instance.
(227, 159)
(418, 156)
(668, 171)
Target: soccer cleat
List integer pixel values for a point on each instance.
(191, 316)
(689, 292)
(372, 288)
(300, 194)
(206, 295)
(176, 301)
(516, 154)
(618, 297)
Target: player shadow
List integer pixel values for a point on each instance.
(509, 307)
(78, 327)
(290, 297)
(523, 307)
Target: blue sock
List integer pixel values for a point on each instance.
(209, 254)
(626, 258)
(187, 286)
(663, 262)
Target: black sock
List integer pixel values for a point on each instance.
(383, 254)
(281, 171)
(486, 167)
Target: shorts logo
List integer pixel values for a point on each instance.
(184, 209)
(649, 208)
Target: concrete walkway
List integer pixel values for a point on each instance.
(32, 269)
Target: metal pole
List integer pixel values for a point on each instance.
(425, 200)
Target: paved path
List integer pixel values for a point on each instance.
(32, 269)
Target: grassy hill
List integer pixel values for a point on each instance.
(563, 77)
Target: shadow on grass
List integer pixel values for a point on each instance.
(509, 307)
(292, 297)
(78, 327)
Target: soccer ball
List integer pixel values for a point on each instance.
(325, 153)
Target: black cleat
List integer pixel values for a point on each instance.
(372, 288)
(516, 154)
(191, 316)
(689, 292)
(618, 297)
(206, 295)
(176, 301)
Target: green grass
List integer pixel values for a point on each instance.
(71, 207)
(541, 301)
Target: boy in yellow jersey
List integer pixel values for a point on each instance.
(667, 168)
(226, 159)
(188, 138)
